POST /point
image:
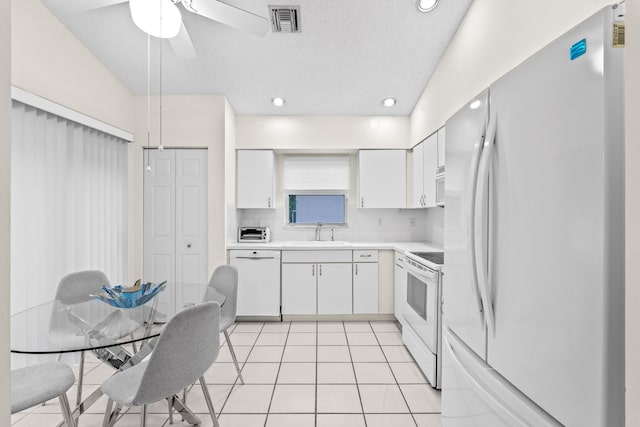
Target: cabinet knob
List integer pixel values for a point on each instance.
(362, 202)
(188, 245)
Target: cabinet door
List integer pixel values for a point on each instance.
(400, 288)
(418, 175)
(365, 288)
(441, 148)
(334, 288)
(299, 288)
(256, 179)
(430, 167)
(382, 178)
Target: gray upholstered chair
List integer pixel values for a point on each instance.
(34, 385)
(225, 281)
(76, 288)
(182, 354)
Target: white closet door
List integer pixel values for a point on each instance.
(191, 225)
(175, 224)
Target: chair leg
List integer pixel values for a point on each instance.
(108, 414)
(170, 402)
(207, 398)
(133, 344)
(80, 380)
(143, 416)
(66, 410)
(233, 356)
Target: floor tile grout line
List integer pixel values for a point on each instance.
(275, 382)
(315, 408)
(353, 367)
(241, 367)
(396, 379)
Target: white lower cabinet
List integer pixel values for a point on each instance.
(329, 282)
(400, 287)
(334, 288)
(299, 288)
(365, 287)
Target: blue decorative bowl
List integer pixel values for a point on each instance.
(129, 297)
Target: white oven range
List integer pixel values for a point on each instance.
(423, 313)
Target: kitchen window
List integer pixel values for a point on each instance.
(315, 189)
(307, 209)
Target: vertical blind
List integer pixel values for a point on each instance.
(68, 204)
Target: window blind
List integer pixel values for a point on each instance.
(316, 173)
(68, 203)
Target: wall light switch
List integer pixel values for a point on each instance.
(412, 221)
(379, 222)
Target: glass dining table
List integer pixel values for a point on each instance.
(111, 334)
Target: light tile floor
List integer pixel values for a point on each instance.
(298, 374)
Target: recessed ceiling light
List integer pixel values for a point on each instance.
(389, 102)
(426, 5)
(475, 104)
(277, 101)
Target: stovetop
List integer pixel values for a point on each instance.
(434, 257)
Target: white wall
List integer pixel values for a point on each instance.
(321, 132)
(494, 37)
(497, 35)
(49, 61)
(632, 195)
(230, 175)
(188, 122)
(5, 208)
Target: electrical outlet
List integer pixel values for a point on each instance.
(379, 222)
(412, 221)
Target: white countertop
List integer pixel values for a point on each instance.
(329, 245)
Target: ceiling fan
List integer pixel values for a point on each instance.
(163, 19)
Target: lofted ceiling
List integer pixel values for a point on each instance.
(349, 56)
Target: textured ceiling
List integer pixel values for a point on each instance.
(349, 56)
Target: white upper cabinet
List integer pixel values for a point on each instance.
(425, 165)
(382, 179)
(256, 179)
(441, 148)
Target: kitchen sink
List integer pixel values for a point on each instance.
(316, 243)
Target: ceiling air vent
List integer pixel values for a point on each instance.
(285, 19)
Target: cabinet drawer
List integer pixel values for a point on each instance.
(316, 256)
(365, 256)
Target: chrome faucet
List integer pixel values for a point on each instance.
(318, 226)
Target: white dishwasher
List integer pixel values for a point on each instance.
(258, 282)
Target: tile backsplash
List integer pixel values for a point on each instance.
(364, 225)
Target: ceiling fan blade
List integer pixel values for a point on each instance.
(83, 5)
(231, 16)
(182, 45)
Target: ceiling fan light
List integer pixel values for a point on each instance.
(426, 5)
(159, 18)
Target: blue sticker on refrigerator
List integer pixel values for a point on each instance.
(578, 49)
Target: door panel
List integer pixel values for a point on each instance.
(175, 222)
(299, 288)
(335, 288)
(462, 309)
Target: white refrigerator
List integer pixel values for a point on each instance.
(534, 241)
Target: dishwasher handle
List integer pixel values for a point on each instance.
(255, 257)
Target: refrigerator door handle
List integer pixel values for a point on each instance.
(504, 400)
(480, 223)
(473, 185)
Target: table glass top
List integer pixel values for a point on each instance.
(57, 328)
